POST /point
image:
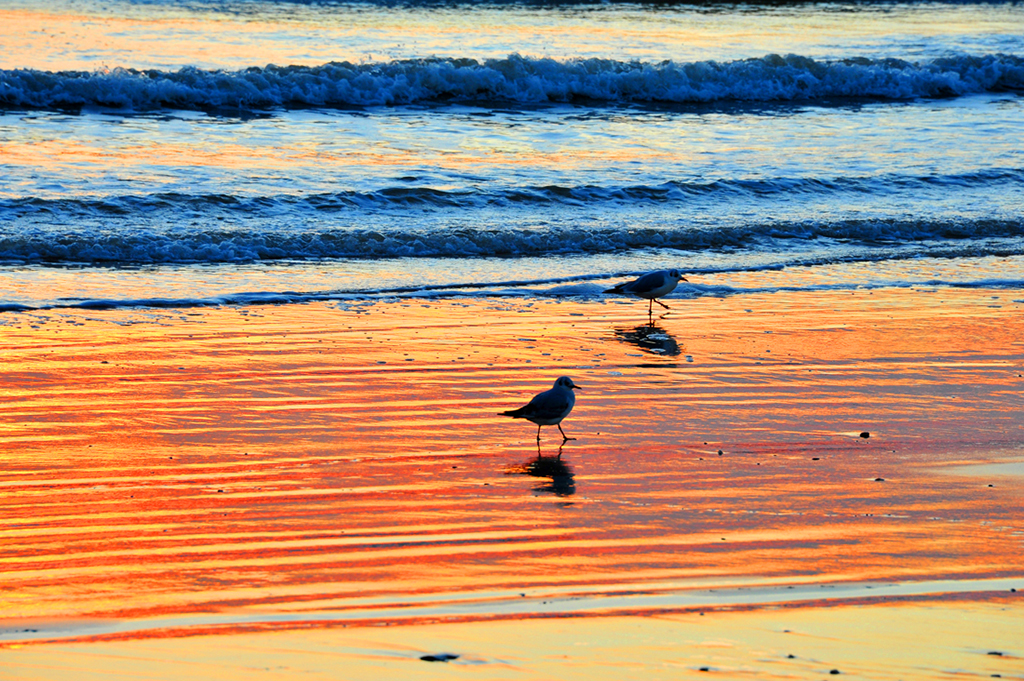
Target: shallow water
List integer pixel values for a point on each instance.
(425, 146)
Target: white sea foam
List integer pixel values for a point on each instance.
(539, 289)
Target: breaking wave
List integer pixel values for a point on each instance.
(514, 79)
(203, 245)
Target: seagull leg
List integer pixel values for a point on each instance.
(538, 435)
(661, 303)
(565, 438)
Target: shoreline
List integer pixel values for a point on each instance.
(737, 596)
(924, 640)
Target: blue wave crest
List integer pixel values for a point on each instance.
(148, 246)
(514, 79)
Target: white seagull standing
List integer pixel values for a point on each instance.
(549, 407)
(652, 286)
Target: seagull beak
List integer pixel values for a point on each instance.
(684, 279)
(576, 387)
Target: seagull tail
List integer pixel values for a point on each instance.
(514, 413)
(617, 289)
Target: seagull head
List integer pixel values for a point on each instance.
(675, 274)
(566, 382)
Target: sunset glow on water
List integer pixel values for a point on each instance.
(271, 271)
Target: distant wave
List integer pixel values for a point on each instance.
(399, 197)
(513, 79)
(103, 247)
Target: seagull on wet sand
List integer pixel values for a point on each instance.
(549, 407)
(652, 286)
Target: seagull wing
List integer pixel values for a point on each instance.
(647, 283)
(550, 404)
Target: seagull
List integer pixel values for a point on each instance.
(652, 286)
(549, 407)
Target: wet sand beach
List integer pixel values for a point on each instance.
(930, 640)
(328, 488)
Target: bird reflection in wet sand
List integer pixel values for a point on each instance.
(650, 338)
(560, 472)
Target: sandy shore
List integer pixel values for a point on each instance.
(322, 487)
(929, 640)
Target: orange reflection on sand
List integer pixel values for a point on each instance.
(306, 458)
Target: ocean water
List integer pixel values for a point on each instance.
(211, 152)
(289, 465)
